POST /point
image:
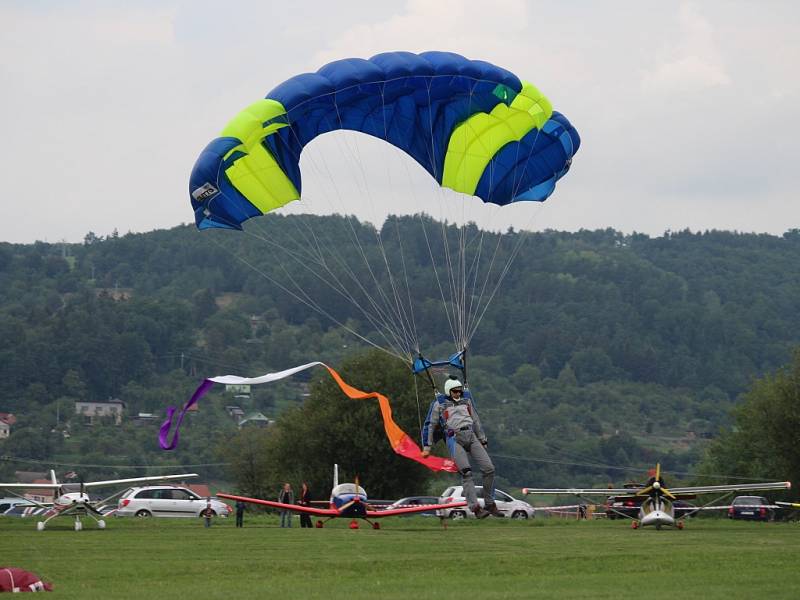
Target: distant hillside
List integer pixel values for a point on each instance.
(597, 344)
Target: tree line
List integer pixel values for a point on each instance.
(601, 347)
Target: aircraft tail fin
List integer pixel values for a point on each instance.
(53, 477)
(335, 475)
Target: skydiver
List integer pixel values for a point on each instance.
(465, 439)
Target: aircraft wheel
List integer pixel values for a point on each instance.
(143, 514)
(635, 525)
(376, 525)
(680, 524)
(519, 514)
(319, 525)
(457, 514)
(78, 525)
(40, 526)
(101, 524)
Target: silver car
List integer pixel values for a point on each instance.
(506, 504)
(166, 501)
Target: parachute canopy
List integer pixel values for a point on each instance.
(475, 127)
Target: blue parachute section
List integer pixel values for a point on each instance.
(414, 102)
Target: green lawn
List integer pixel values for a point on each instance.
(408, 558)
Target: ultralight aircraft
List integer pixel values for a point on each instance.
(656, 502)
(71, 499)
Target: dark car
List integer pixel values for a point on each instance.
(417, 501)
(683, 509)
(618, 507)
(751, 508)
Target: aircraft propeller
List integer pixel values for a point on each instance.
(656, 486)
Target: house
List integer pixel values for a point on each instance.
(6, 421)
(235, 412)
(238, 388)
(95, 410)
(257, 419)
(143, 418)
(29, 476)
(40, 495)
(201, 489)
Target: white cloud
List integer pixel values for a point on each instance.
(689, 114)
(693, 61)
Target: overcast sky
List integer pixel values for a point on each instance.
(688, 112)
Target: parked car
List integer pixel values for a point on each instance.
(416, 501)
(751, 508)
(7, 504)
(621, 509)
(166, 501)
(506, 504)
(25, 510)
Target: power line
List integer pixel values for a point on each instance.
(73, 464)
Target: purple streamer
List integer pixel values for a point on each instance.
(163, 433)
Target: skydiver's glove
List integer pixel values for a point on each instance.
(426, 452)
(485, 443)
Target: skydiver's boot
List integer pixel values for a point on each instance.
(480, 513)
(491, 508)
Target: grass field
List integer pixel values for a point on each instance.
(408, 558)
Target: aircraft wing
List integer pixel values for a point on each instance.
(412, 509)
(93, 484)
(580, 491)
(735, 487)
(320, 512)
(31, 486)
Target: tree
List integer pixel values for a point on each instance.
(766, 434)
(331, 428)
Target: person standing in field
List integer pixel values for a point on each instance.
(286, 497)
(207, 513)
(240, 513)
(305, 500)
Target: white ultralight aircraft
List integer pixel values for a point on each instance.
(71, 499)
(655, 501)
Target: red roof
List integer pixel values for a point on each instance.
(201, 489)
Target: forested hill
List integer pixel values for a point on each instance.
(592, 333)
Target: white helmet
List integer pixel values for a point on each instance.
(450, 384)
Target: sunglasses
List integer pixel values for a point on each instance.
(456, 391)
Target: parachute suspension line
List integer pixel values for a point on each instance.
(389, 319)
(341, 290)
(489, 269)
(522, 236)
(419, 406)
(334, 282)
(308, 302)
(311, 303)
(376, 320)
(397, 316)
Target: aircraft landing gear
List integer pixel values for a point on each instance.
(353, 524)
(679, 525)
(78, 524)
(40, 526)
(319, 525)
(635, 525)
